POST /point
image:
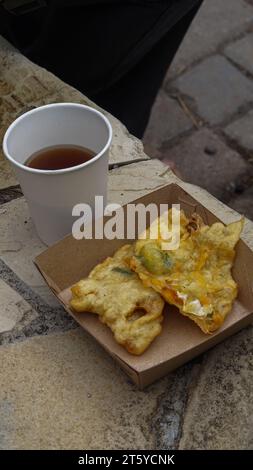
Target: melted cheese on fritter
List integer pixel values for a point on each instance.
(196, 277)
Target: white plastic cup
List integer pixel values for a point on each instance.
(51, 194)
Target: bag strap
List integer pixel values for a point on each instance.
(22, 7)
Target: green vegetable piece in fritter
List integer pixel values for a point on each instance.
(156, 261)
(125, 271)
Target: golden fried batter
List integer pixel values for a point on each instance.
(116, 294)
(196, 277)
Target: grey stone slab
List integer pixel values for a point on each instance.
(241, 131)
(19, 245)
(13, 308)
(37, 317)
(241, 52)
(217, 89)
(168, 421)
(219, 413)
(167, 120)
(7, 177)
(216, 22)
(204, 159)
(133, 181)
(8, 194)
(62, 391)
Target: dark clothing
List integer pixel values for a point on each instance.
(116, 52)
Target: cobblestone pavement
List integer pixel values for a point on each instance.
(203, 116)
(58, 388)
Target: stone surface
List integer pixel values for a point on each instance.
(219, 413)
(168, 120)
(216, 22)
(13, 308)
(64, 392)
(217, 89)
(241, 52)
(133, 181)
(7, 177)
(244, 203)
(19, 245)
(168, 420)
(204, 159)
(241, 131)
(9, 194)
(46, 319)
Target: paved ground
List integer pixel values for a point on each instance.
(58, 388)
(203, 117)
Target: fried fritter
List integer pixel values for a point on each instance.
(196, 277)
(114, 292)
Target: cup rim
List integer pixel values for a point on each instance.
(62, 170)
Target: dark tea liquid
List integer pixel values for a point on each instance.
(59, 157)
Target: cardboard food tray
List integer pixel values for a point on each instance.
(69, 260)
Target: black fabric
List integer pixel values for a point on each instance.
(114, 51)
(24, 29)
(132, 97)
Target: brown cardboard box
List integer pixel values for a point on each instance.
(70, 260)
